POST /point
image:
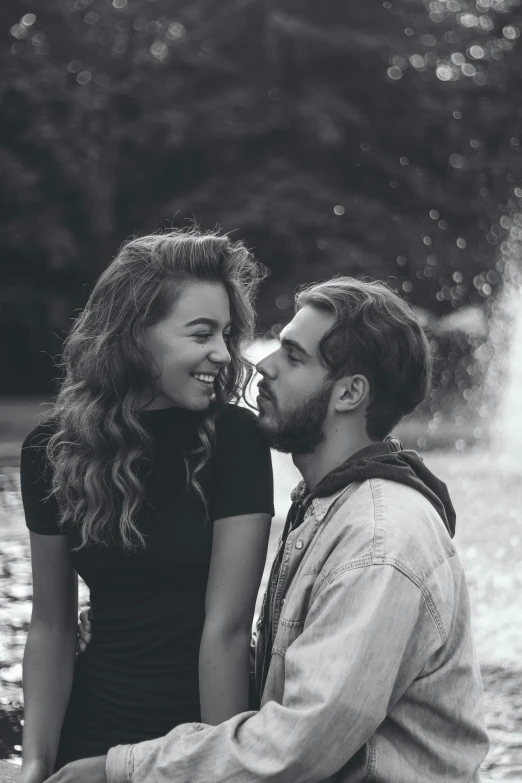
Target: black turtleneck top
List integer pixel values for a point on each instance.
(139, 676)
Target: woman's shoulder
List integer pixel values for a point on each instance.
(235, 418)
(33, 456)
(39, 436)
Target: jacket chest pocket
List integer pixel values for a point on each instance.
(287, 632)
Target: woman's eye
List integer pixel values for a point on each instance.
(204, 336)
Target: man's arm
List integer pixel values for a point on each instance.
(366, 637)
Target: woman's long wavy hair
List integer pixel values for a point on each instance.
(100, 448)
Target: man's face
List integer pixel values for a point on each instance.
(295, 391)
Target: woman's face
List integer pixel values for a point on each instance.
(190, 345)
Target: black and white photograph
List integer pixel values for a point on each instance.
(260, 391)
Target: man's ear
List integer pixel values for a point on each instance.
(350, 393)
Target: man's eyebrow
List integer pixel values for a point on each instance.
(207, 322)
(287, 342)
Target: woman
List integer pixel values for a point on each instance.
(152, 484)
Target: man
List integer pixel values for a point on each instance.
(365, 662)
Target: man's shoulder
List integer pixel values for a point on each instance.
(393, 523)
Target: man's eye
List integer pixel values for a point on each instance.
(292, 358)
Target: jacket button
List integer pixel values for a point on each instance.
(299, 545)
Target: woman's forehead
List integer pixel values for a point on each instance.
(199, 300)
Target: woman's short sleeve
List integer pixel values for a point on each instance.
(41, 512)
(242, 472)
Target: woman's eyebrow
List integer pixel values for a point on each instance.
(207, 322)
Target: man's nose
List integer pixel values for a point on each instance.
(266, 367)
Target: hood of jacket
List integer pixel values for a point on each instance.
(386, 460)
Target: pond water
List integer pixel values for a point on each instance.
(487, 494)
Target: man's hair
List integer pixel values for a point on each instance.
(376, 334)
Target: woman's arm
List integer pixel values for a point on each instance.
(238, 556)
(49, 654)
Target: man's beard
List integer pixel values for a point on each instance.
(300, 430)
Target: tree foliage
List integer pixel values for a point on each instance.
(364, 138)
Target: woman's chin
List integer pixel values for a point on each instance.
(199, 405)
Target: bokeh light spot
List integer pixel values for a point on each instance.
(469, 20)
(176, 30)
(480, 78)
(457, 161)
(457, 58)
(444, 73)
(28, 20)
(477, 52)
(158, 48)
(18, 31)
(84, 77)
(339, 209)
(418, 61)
(461, 243)
(394, 73)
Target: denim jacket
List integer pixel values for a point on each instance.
(373, 673)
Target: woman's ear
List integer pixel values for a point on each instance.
(350, 393)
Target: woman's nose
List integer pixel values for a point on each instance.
(220, 353)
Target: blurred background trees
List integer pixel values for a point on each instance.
(377, 138)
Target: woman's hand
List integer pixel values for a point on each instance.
(84, 629)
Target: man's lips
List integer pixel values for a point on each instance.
(263, 393)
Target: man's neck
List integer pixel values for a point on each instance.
(332, 452)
